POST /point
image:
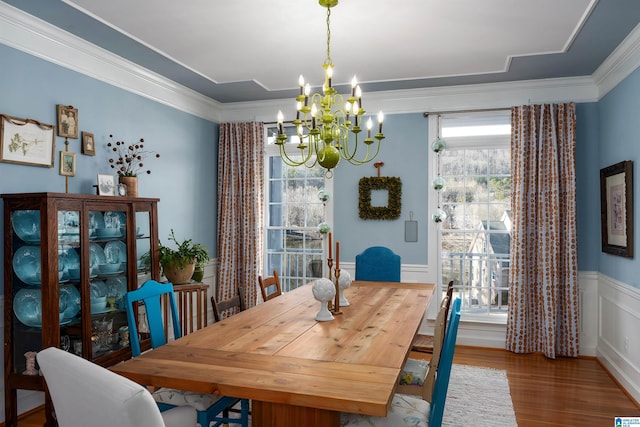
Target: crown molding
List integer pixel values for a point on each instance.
(43, 40)
(620, 64)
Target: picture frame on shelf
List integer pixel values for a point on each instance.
(106, 185)
(616, 209)
(88, 144)
(67, 163)
(26, 141)
(67, 121)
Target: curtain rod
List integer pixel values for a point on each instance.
(477, 110)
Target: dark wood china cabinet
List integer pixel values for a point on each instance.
(68, 260)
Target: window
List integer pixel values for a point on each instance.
(293, 245)
(474, 239)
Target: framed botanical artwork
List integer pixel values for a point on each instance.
(616, 208)
(67, 121)
(26, 141)
(106, 185)
(88, 145)
(67, 163)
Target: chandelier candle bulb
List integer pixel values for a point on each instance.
(380, 119)
(301, 82)
(369, 126)
(280, 122)
(359, 95)
(329, 75)
(354, 83)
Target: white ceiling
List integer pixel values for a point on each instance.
(245, 50)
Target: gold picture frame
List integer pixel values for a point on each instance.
(26, 142)
(67, 163)
(616, 208)
(67, 121)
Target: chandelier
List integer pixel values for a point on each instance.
(325, 121)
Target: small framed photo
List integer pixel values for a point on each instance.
(67, 121)
(88, 145)
(67, 163)
(106, 185)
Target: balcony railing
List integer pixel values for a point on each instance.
(480, 279)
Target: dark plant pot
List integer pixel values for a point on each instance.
(179, 276)
(198, 273)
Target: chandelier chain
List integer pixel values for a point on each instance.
(329, 36)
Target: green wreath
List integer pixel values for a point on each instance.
(393, 185)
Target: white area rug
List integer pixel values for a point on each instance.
(478, 397)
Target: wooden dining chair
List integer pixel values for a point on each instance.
(418, 376)
(210, 408)
(378, 263)
(236, 302)
(424, 343)
(407, 410)
(270, 286)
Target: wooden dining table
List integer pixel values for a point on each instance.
(296, 370)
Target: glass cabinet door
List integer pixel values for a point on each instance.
(143, 242)
(107, 275)
(27, 297)
(70, 285)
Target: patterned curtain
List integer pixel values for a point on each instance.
(543, 278)
(240, 209)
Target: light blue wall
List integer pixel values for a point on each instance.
(405, 155)
(619, 139)
(587, 186)
(184, 177)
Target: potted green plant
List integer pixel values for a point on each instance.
(179, 264)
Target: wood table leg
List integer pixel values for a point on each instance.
(267, 414)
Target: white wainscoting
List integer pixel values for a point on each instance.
(618, 346)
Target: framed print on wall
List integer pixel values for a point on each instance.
(26, 141)
(616, 208)
(88, 145)
(67, 121)
(67, 163)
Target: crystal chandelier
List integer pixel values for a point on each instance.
(324, 122)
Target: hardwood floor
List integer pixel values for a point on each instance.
(562, 392)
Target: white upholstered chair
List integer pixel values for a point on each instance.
(86, 394)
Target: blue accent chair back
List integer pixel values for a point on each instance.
(444, 367)
(150, 293)
(378, 263)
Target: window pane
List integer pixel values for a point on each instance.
(474, 238)
(293, 244)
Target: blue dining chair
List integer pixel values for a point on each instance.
(378, 263)
(208, 406)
